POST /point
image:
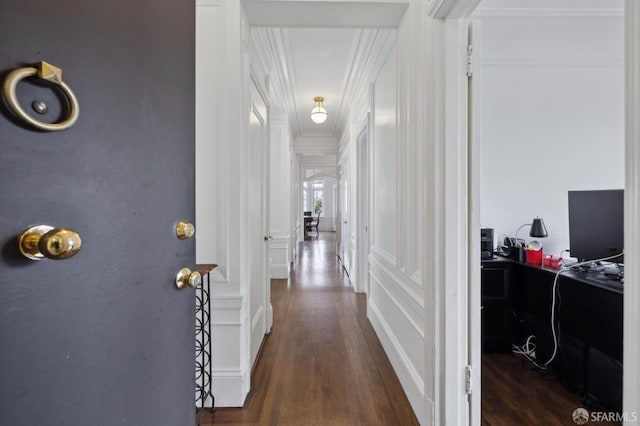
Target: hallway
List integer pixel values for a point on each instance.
(322, 364)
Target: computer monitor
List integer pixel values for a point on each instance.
(596, 224)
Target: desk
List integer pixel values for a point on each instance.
(307, 222)
(516, 300)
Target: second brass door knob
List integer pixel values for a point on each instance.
(186, 278)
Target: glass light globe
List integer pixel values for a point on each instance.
(318, 112)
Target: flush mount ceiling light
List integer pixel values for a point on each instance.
(318, 112)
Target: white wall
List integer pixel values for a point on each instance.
(553, 115)
(280, 197)
(395, 290)
(396, 307)
(222, 72)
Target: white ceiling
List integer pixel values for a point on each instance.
(320, 62)
(334, 63)
(324, 48)
(319, 48)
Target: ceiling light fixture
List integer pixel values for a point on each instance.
(318, 112)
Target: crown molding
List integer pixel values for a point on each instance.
(261, 62)
(371, 46)
(280, 50)
(360, 51)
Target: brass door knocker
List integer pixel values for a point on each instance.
(51, 74)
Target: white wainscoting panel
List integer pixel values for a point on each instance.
(230, 373)
(280, 257)
(409, 376)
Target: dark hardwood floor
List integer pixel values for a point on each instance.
(515, 394)
(322, 364)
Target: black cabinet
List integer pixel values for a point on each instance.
(496, 307)
(517, 302)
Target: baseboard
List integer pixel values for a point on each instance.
(269, 318)
(230, 376)
(230, 387)
(410, 380)
(280, 271)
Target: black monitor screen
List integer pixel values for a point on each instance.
(596, 224)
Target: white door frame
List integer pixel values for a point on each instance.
(363, 206)
(474, 112)
(631, 355)
(631, 352)
(344, 211)
(263, 237)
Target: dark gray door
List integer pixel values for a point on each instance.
(103, 337)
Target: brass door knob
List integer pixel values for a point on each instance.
(187, 278)
(43, 241)
(185, 230)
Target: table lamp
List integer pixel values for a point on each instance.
(538, 230)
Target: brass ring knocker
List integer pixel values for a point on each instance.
(49, 73)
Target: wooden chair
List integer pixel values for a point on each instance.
(314, 224)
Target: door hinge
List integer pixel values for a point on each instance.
(469, 61)
(467, 380)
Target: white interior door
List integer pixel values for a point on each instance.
(345, 226)
(363, 209)
(257, 215)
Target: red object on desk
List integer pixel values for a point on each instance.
(552, 261)
(534, 257)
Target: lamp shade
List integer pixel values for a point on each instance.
(538, 229)
(318, 112)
